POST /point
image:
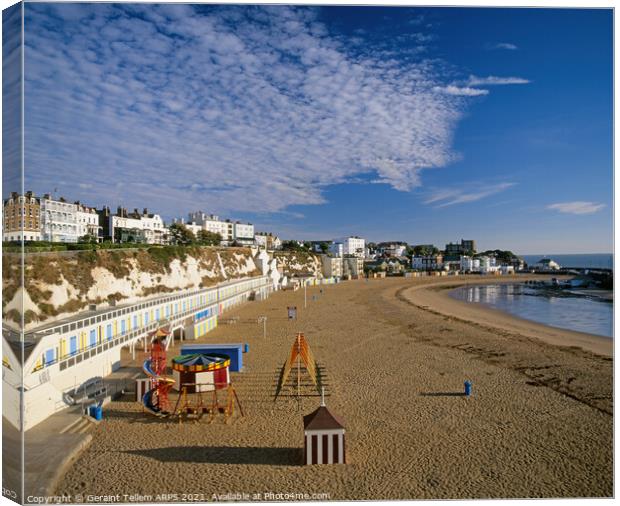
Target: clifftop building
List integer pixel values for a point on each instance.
(267, 240)
(137, 227)
(59, 220)
(230, 231)
(353, 245)
(21, 218)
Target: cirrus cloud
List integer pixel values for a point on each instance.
(506, 45)
(463, 91)
(576, 207)
(495, 80)
(444, 197)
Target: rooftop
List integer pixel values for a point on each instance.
(323, 419)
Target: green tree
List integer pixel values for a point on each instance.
(293, 246)
(88, 239)
(181, 235)
(207, 238)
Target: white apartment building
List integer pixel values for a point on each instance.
(229, 231)
(244, 233)
(427, 263)
(191, 226)
(337, 249)
(332, 266)
(506, 269)
(488, 265)
(547, 264)
(59, 220)
(87, 221)
(154, 230)
(267, 241)
(195, 229)
(353, 266)
(394, 250)
(353, 245)
(469, 264)
(136, 227)
(212, 223)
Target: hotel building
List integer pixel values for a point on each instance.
(59, 220)
(21, 218)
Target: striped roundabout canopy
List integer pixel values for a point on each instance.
(200, 362)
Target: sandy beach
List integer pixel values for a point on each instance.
(396, 353)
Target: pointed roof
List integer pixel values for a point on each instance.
(323, 419)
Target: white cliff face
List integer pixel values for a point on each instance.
(59, 286)
(262, 260)
(274, 274)
(299, 264)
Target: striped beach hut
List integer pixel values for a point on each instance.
(143, 385)
(201, 373)
(323, 437)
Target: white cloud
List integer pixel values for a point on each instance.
(225, 108)
(444, 197)
(494, 80)
(463, 91)
(506, 45)
(576, 207)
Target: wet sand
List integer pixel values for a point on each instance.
(539, 422)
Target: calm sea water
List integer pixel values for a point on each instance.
(588, 261)
(574, 313)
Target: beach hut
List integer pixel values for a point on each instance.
(143, 385)
(323, 437)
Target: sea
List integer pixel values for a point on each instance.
(586, 260)
(583, 314)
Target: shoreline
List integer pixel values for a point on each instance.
(599, 299)
(436, 298)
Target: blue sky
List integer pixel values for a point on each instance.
(424, 125)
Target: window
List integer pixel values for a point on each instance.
(93, 337)
(72, 345)
(49, 356)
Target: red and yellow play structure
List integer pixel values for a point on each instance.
(197, 377)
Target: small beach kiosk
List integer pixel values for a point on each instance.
(323, 437)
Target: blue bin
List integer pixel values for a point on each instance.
(246, 348)
(96, 412)
(468, 388)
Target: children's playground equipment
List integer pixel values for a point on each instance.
(155, 400)
(201, 373)
(300, 355)
(198, 374)
(234, 351)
